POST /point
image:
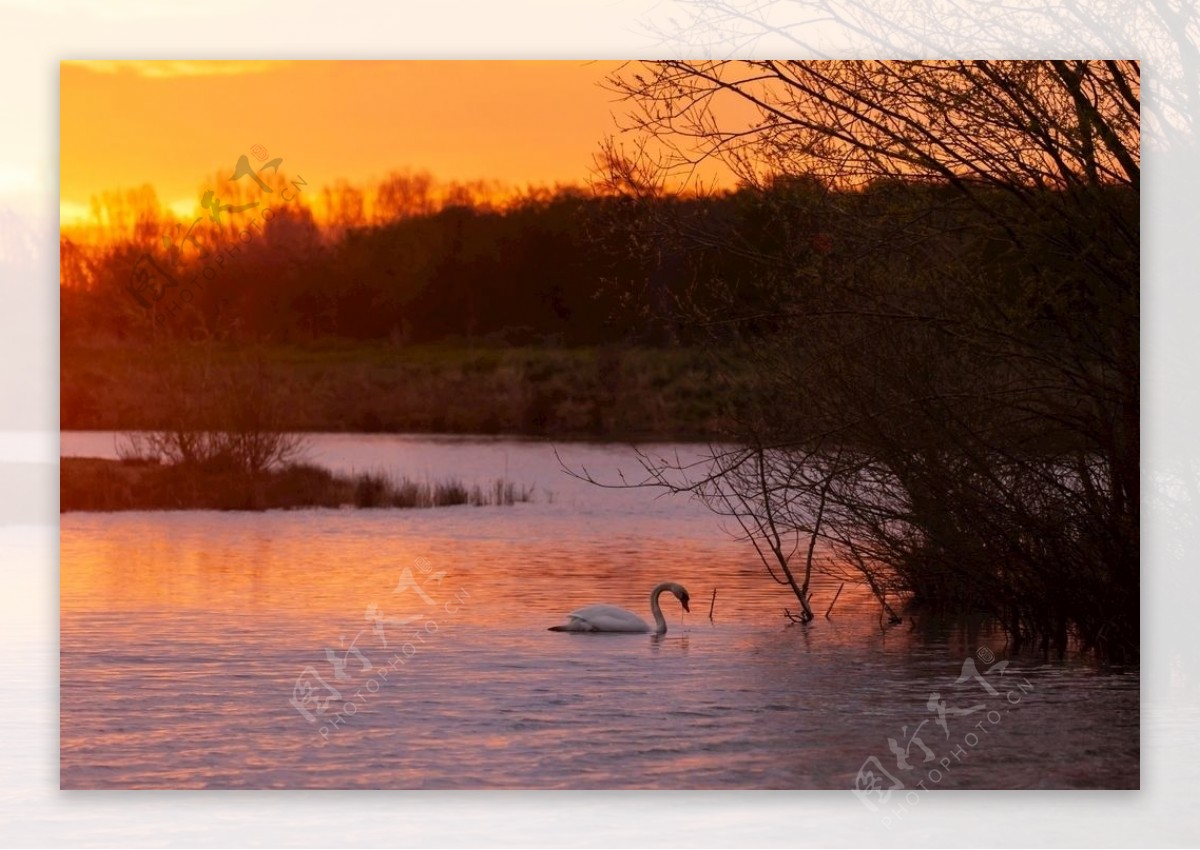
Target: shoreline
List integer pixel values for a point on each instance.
(463, 437)
(607, 394)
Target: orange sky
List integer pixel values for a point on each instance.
(172, 124)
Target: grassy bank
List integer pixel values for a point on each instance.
(95, 484)
(609, 393)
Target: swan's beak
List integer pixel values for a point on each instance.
(685, 605)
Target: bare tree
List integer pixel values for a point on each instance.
(940, 306)
(225, 415)
(404, 195)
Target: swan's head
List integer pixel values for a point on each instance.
(682, 595)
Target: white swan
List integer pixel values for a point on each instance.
(610, 618)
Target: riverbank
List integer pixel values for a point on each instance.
(96, 484)
(337, 386)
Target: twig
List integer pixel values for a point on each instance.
(711, 604)
(835, 599)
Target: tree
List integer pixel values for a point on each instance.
(944, 322)
(223, 417)
(403, 195)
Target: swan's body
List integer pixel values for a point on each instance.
(610, 618)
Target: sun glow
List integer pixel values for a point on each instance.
(171, 125)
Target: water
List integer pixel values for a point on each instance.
(185, 637)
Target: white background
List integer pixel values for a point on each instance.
(35, 35)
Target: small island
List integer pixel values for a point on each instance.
(144, 484)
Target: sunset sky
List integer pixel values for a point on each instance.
(171, 124)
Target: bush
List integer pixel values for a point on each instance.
(220, 419)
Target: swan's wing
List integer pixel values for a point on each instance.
(606, 618)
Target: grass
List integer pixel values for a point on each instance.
(377, 490)
(580, 393)
(95, 484)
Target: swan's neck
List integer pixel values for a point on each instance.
(660, 622)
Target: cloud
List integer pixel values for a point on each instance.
(176, 67)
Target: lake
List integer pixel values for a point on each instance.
(408, 649)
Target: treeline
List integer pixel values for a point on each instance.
(537, 269)
(566, 268)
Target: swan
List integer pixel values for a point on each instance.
(610, 618)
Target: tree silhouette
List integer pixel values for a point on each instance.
(942, 306)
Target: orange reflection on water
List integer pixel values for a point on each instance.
(314, 572)
(188, 640)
